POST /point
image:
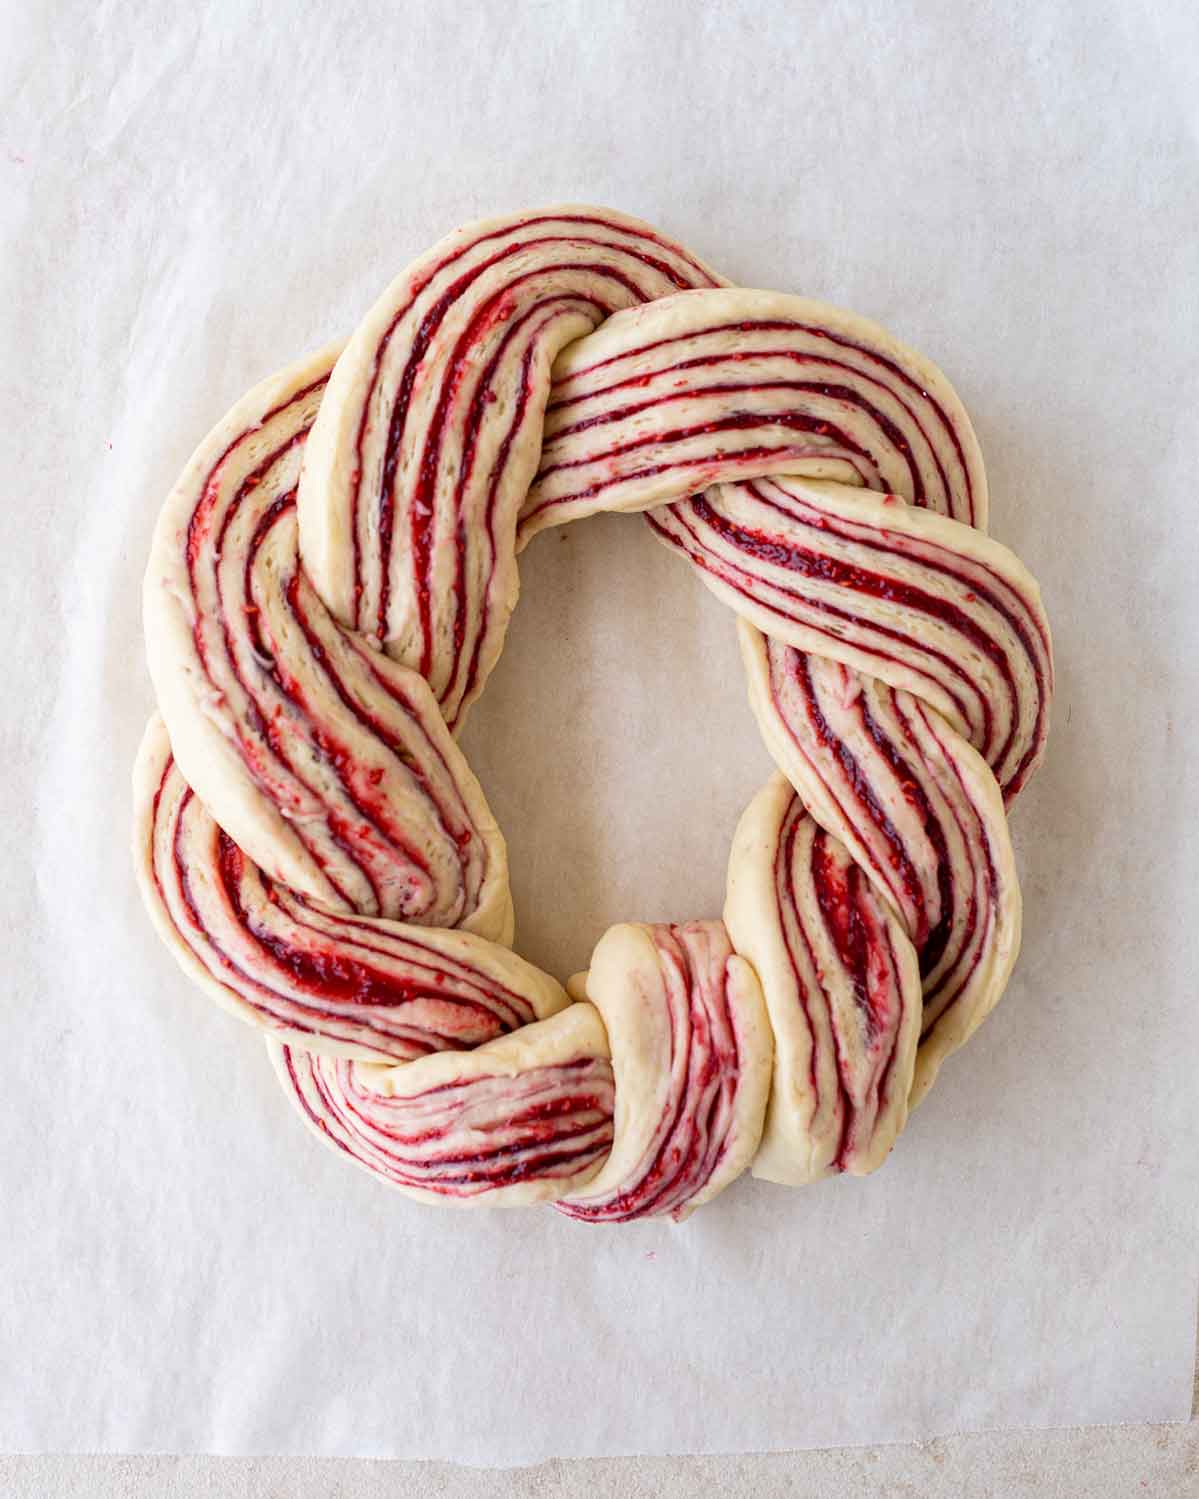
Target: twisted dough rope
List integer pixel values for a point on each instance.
(329, 587)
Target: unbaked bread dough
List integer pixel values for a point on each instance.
(329, 588)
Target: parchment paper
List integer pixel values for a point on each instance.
(194, 194)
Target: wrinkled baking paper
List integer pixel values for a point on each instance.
(194, 195)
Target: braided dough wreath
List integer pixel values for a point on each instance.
(328, 590)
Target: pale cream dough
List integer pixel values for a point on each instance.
(413, 1126)
(313, 657)
(207, 709)
(839, 1096)
(656, 1013)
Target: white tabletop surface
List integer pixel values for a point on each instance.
(1117, 1462)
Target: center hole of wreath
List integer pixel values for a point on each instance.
(614, 740)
